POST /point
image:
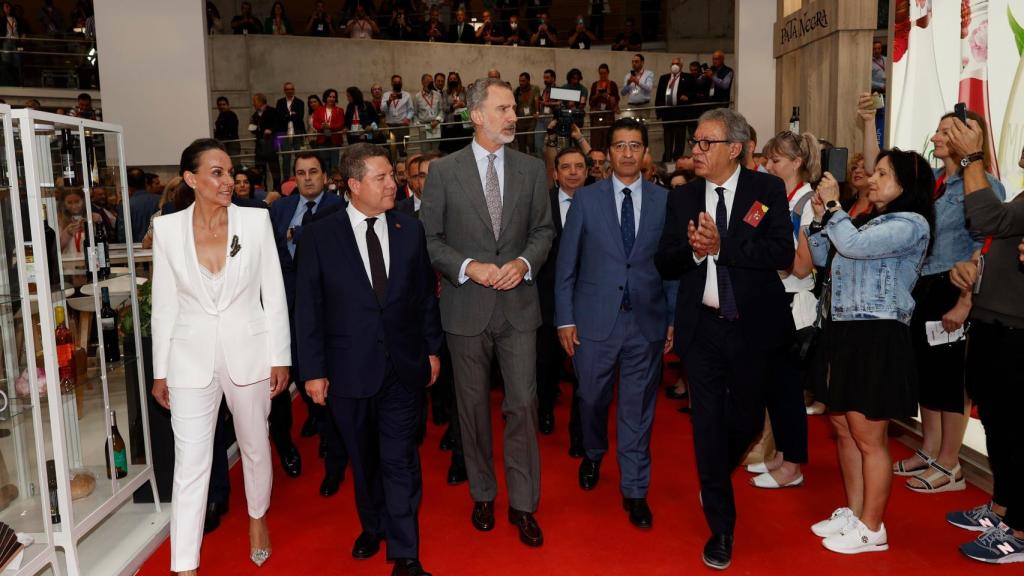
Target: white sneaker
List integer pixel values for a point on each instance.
(856, 538)
(834, 523)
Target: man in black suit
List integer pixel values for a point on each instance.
(291, 113)
(672, 92)
(461, 32)
(726, 234)
(263, 125)
(369, 333)
(570, 174)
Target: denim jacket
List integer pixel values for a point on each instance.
(875, 267)
(954, 242)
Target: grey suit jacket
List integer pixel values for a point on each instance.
(458, 226)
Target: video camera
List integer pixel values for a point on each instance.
(566, 116)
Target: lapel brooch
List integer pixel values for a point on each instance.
(235, 246)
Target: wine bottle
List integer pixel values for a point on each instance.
(120, 451)
(102, 250)
(51, 488)
(67, 158)
(794, 121)
(65, 352)
(108, 320)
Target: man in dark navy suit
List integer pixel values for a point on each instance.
(369, 335)
(288, 216)
(726, 234)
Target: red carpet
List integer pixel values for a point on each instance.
(588, 533)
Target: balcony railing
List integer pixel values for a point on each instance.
(46, 62)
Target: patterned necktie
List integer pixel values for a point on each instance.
(628, 229)
(492, 194)
(726, 297)
(378, 273)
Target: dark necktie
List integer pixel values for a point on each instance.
(378, 273)
(726, 297)
(308, 216)
(628, 238)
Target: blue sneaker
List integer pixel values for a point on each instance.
(997, 546)
(980, 519)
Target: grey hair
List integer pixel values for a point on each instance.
(476, 92)
(353, 161)
(737, 131)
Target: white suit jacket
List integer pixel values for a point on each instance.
(188, 325)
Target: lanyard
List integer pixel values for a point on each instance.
(940, 186)
(789, 198)
(986, 246)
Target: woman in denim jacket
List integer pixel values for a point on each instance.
(868, 301)
(945, 408)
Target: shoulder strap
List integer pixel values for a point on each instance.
(799, 207)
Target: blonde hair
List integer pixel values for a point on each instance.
(803, 147)
(170, 190)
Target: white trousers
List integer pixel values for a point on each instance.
(194, 419)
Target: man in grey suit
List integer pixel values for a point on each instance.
(487, 217)
(611, 311)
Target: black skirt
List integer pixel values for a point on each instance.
(869, 368)
(940, 368)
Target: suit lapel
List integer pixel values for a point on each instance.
(236, 229)
(645, 212)
(556, 211)
(741, 202)
(607, 198)
(192, 262)
(397, 237)
(469, 177)
(513, 183)
(345, 236)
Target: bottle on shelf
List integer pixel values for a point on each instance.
(98, 252)
(65, 352)
(794, 120)
(108, 321)
(120, 451)
(30, 269)
(51, 488)
(67, 158)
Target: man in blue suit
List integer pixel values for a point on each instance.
(288, 216)
(369, 335)
(611, 311)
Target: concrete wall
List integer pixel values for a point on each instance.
(243, 65)
(154, 84)
(755, 96)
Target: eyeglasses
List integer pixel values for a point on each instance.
(632, 146)
(705, 144)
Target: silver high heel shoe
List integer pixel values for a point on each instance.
(259, 556)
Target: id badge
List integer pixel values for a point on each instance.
(981, 272)
(756, 214)
(252, 127)
(526, 110)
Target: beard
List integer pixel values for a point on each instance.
(499, 136)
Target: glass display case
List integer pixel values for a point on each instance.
(77, 447)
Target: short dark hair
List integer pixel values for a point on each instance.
(84, 96)
(603, 66)
(223, 99)
(353, 161)
(552, 72)
(566, 151)
(136, 178)
(306, 155)
(574, 72)
(915, 176)
(695, 63)
(627, 123)
(190, 155)
(525, 74)
(150, 177)
(640, 56)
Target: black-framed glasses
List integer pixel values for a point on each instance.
(705, 144)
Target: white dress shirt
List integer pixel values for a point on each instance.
(635, 193)
(480, 155)
(399, 111)
(711, 202)
(640, 93)
(564, 203)
(359, 225)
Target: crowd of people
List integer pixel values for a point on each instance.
(507, 23)
(783, 290)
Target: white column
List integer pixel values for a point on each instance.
(153, 76)
(754, 91)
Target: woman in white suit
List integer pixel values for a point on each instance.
(213, 265)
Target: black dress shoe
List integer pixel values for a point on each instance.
(447, 440)
(291, 461)
(684, 409)
(526, 524)
(330, 484)
(309, 427)
(671, 394)
(718, 551)
(639, 512)
(321, 450)
(547, 424)
(590, 473)
(366, 546)
(456, 472)
(576, 447)
(483, 515)
(408, 567)
(214, 511)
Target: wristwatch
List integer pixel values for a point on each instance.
(967, 160)
(832, 205)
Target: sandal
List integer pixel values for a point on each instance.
(931, 481)
(900, 468)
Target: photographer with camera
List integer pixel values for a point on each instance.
(361, 26)
(637, 86)
(546, 36)
(563, 132)
(581, 38)
(319, 23)
(488, 33)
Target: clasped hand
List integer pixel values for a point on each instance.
(703, 236)
(490, 275)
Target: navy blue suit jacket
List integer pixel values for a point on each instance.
(281, 213)
(753, 254)
(343, 333)
(593, 267)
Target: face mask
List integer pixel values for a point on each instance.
(396, 87)
(675, 68)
